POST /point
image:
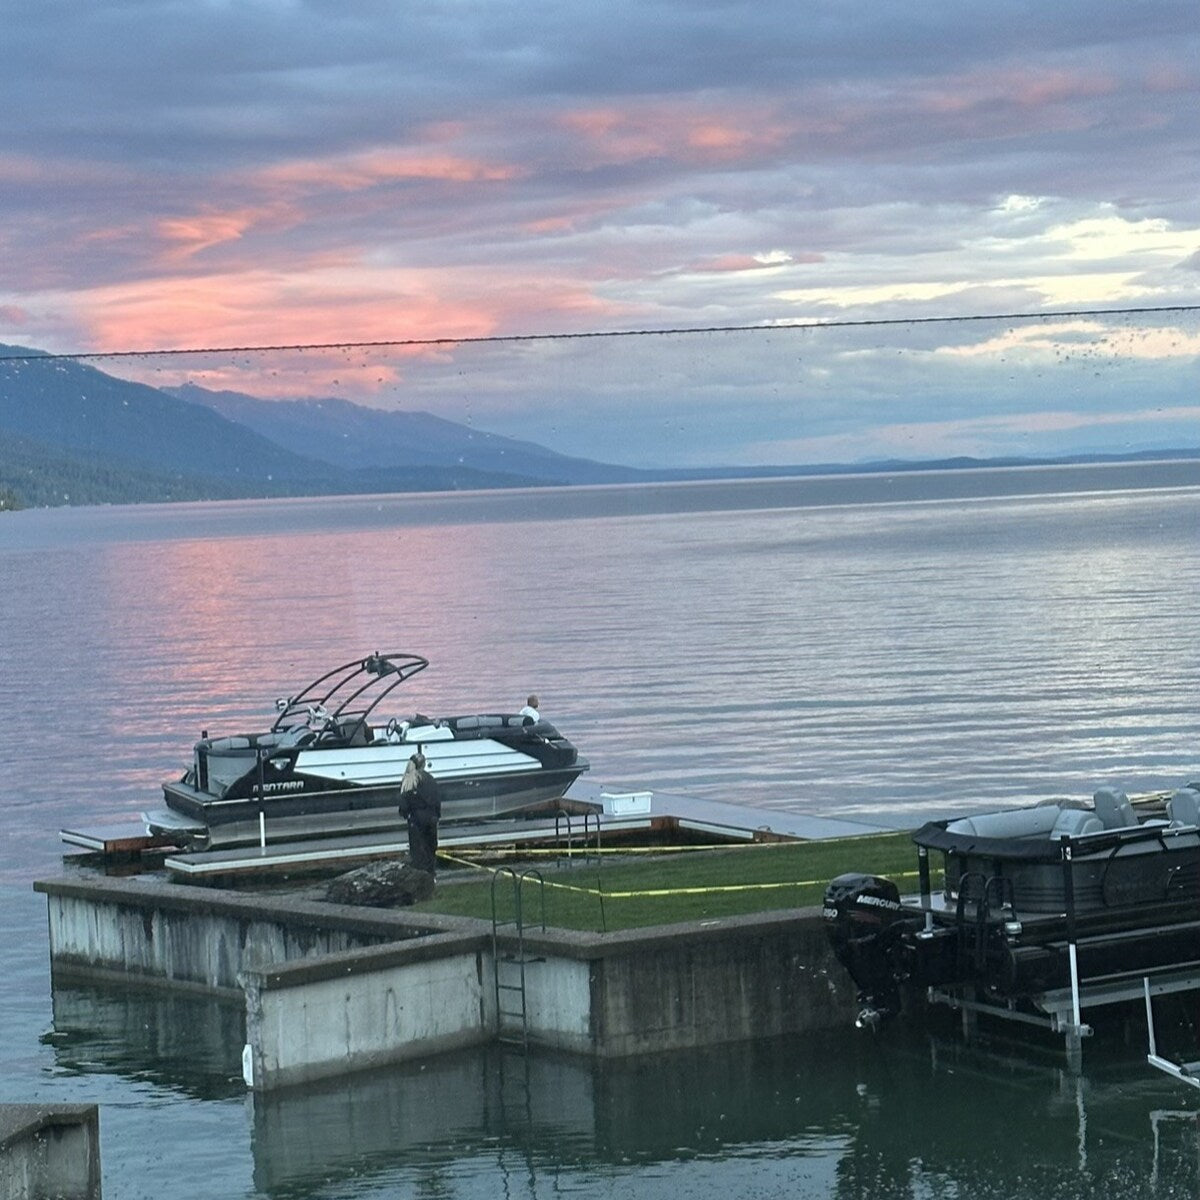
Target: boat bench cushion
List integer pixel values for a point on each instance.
(1012, 823)
(485, 721)
(1045, 820)
(229, 743)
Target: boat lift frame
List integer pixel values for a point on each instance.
(1061, 1009)
(1185, 1072)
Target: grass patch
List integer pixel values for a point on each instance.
(623, 891)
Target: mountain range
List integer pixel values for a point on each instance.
(73, 434)
(355, 438)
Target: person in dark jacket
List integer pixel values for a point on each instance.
(421, 807)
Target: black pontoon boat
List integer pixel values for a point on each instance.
(1038, 905)
(331, 765)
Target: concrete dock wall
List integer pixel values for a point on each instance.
(330, 989)
(700, 985)
(559, 995)
(682, 986)
(201, 938)
(604, 995)
(49, 1151)
(345, 1012)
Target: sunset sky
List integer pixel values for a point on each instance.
(216, 173)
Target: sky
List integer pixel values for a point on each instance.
(243, 173)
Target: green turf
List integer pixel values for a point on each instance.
(686, 885)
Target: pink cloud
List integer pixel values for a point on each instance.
(671, 129)
(721, 140)
(264, 307)
(337, 300)
(18, 169)
(575, 211)
(187, 236)
(1028, 87)
(352, 173)
(260, 309)
(548, 225)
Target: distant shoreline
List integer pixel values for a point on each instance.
(383, 514)
(1181, 460)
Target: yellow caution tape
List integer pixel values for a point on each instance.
(587, 851)
(726, 887)
(627, 895)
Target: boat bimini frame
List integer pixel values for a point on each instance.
(340, 702)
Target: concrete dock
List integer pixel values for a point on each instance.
(49, 1152)
(329, 989)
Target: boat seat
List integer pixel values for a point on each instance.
(1183, 808)
(294, 736)
(1076, 822)
(1113, 809)
(355, 731)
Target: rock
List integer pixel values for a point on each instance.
(389, 884)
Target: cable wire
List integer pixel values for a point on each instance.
(686, 331)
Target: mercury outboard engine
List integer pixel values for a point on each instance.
(864, 923)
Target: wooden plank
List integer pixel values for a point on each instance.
(115, 840)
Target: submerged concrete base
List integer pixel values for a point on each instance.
(329, 989)
(49, 1152)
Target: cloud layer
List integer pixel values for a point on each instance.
(280, 171)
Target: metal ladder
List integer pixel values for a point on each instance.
(512, 1018)
(563, 817)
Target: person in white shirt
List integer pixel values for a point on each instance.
(530, 711)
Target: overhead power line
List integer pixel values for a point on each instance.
(686, 331)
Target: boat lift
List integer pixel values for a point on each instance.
(1185, 1072)
(1061, 1010)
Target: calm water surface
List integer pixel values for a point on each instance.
(883, 648)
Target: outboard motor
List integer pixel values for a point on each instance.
(863, 921)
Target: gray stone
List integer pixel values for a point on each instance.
(388, 884)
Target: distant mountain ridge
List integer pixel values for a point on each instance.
(354, 437)
(72, 434)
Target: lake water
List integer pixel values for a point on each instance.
(888, 648)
